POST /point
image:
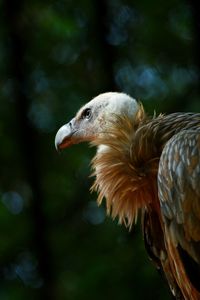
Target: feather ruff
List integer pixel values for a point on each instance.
(125, 170)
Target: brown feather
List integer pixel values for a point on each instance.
(121, 175)
(126, 170)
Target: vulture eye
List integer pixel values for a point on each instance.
(86, 114)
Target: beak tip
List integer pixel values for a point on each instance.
(57, 141)
(63, 137)
(57, 147)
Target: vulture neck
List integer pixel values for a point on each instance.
(125, 168)
(126, 162)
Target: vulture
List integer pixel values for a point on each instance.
(147, 166)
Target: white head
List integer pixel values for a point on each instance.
(92, 119)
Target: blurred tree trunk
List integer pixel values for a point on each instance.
(108, 51)
(19, 36)
(195, 6)
(182, 101)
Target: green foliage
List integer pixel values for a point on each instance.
(55, 242)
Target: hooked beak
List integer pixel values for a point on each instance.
(64, 136)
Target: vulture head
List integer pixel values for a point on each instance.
(93, 119)
(108, 122)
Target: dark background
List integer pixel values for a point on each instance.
(55, 243)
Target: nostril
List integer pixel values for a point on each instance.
(71, 124)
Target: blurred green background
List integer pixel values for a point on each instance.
(55, 243)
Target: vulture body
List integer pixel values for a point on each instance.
(149, 165)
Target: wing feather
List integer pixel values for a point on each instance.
(179, 195)
(179, 188)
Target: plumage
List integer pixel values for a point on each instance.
(181, 171)
(151, 166)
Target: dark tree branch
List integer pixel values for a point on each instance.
(18, 40)
(195, 7)
(108, 52)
